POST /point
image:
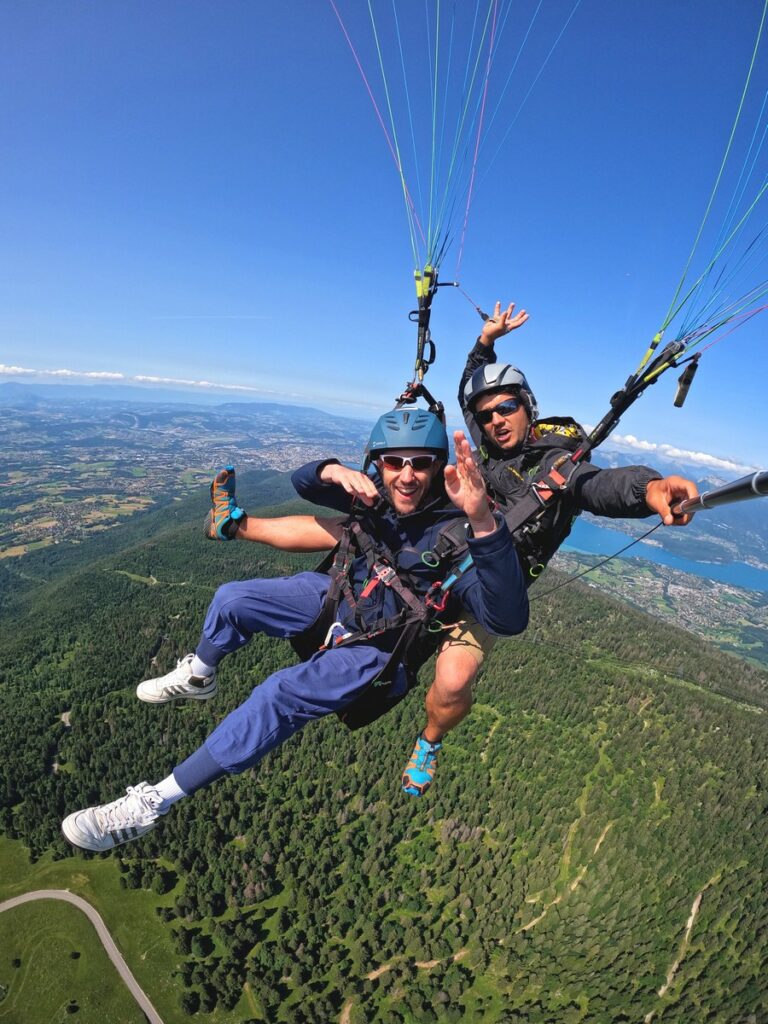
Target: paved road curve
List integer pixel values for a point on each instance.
(108, 942)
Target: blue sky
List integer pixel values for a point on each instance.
(201, 191)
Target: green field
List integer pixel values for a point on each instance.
(44, 934)
(54, 968)
(129, 915)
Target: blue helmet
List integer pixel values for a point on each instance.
(406, 428)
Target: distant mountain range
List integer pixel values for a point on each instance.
(30, 396)
(734, 533)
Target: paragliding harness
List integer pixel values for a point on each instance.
(525, 518)
(417, 626)
(543, 525)
(416, 623)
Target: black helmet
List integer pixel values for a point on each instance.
(494, 377)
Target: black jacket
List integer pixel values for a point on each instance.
(615, 493)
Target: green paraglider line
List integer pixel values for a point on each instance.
(398, 158)
(409, 205)
(515, 62)
(674, 311)
(434, 70)
(408, 103)
(530, 89)
(674, 307)
(459, 134)
(478, 137)
(745, 174)
(711, 309)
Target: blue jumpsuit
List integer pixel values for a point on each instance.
(493, 590)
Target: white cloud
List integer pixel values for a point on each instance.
(674, 454)
(100, 375)
(179, 382)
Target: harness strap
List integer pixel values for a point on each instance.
(549, 484)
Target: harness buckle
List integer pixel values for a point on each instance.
(381, 574)
(336, 633)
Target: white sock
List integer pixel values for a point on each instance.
(170, 791)
(199, 668)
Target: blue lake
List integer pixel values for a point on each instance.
(590, 539)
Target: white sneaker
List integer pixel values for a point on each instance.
(104, 827)
(177, 684)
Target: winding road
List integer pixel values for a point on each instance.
(107, 941)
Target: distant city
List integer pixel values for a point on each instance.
(75, 466)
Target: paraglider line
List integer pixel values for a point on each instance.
(478, 137)
(577, 576)
(410, 208)
(670, 315)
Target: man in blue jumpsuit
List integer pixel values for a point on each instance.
(412, 496)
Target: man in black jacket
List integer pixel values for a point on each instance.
(515, 448)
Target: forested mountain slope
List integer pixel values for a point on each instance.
(594, 848)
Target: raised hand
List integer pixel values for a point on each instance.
(465, 487)
(502, 323)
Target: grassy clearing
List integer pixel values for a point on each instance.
(129, 914)
(22, 549)
(51, 961)
(149, 581)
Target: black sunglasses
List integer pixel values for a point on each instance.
(416, 462)
(505, 408)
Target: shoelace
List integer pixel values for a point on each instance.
(223, 500)
(187, 660)
(426, 750)
(138, 807)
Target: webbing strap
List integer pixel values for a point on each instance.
(541, 493)
(549, 484)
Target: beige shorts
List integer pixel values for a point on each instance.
(470, 635)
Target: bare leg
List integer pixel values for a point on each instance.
(449, 698)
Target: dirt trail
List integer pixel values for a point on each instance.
(684, 945)
(572, 886)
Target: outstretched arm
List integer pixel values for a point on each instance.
(631, 492)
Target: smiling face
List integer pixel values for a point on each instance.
(407, 487)
(505, 431)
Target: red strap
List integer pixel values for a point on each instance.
(545, 492)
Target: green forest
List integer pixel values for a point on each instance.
(593, 850)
